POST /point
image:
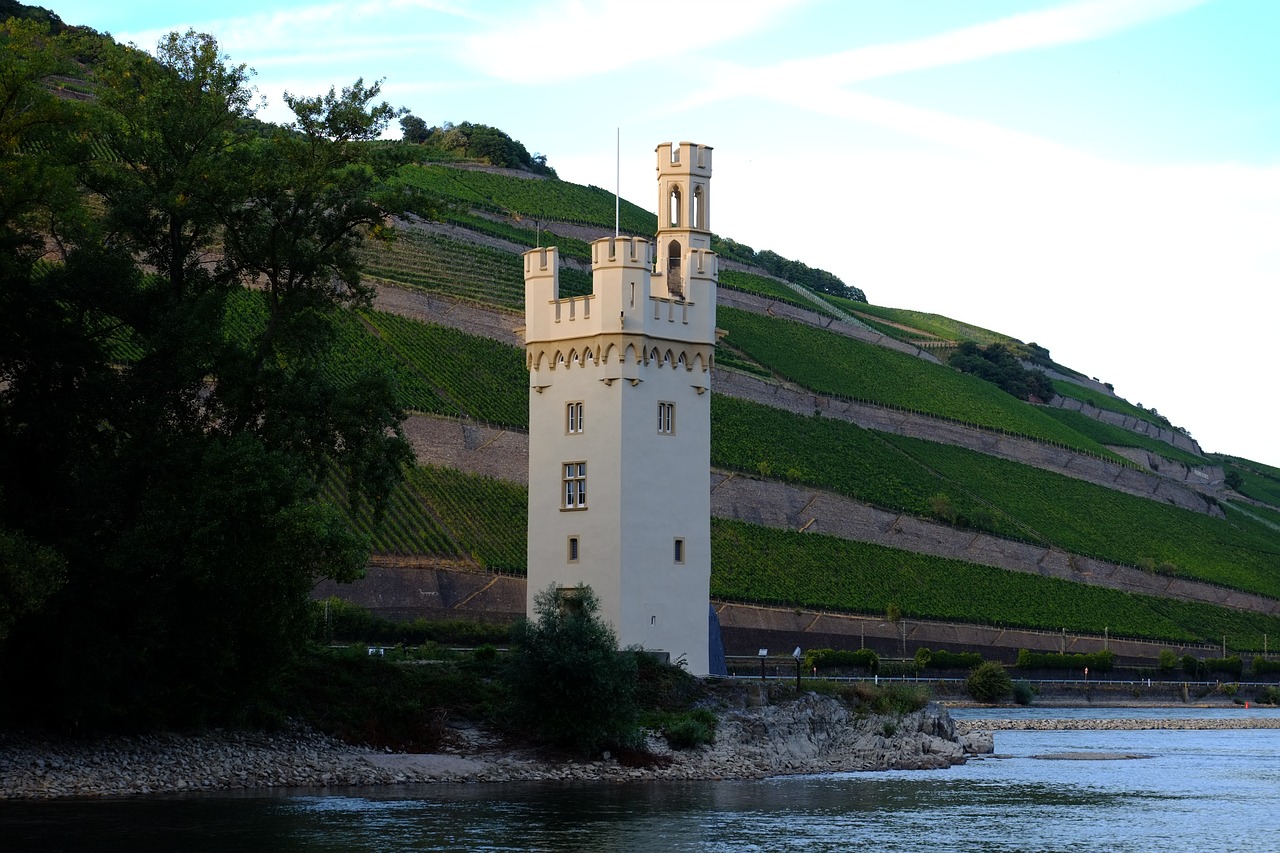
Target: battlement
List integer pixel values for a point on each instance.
(687, 158)
(621, 252)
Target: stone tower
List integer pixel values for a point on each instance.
(620, 421)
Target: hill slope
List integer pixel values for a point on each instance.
(1095, 513)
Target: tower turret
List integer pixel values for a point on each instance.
(684, 212)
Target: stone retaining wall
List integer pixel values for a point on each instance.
(1034, 453)
(783, 505)
(1169, 436)
(503, 454)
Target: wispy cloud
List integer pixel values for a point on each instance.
(572, 38)
(820, 83)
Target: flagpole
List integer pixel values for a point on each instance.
(617, 182)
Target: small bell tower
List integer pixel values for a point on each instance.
(684, 213)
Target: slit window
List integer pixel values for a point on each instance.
(677, 551)
(573, 549)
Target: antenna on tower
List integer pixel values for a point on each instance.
(617, 182)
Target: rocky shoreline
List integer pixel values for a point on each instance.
(812, 734)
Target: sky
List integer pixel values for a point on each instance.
(1101, 177)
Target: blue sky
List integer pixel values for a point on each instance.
(1099, 176)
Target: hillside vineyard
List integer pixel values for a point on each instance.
(1085, 499)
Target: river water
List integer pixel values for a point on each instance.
(1193, 790)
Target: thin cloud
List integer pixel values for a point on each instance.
(573, 39)
(817, 83)
(1025, 31)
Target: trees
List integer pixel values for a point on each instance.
(178, 483)
(569, 683)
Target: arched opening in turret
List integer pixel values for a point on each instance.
(673, 207)
(699, 210)
(675, 283)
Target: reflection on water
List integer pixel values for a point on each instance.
(1199, 790)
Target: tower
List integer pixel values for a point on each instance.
(620, 423)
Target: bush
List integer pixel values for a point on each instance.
(1023, 693)
(1167, 660)
(696, 728)
(884, 699)
(989, 683)
(569, 683)
(1202, 667)
(828, 658)
(338, 620)
(1263, 666)
(1101, 661)
(926, 659)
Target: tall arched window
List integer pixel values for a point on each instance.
(698, 219)
(675, 282)
(673, 212)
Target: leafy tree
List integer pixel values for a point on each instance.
(171, 464)
(414, 129)
(989, 682)
(1002, 367)
(570, 684)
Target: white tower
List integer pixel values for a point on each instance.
(620, 422)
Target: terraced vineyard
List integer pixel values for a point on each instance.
(836, 456)
(831, 364)
(934, 325)
(1112, 435)
(526, 235)
(438, 264)
(355, 353)
(445, 513)
(767, 287)
(1258, 481)
(752, 563)
(548, 199)
(1086, 519)
(1105, 401)
(992, 494)
(479, 377)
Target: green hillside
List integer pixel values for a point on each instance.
(449, 372)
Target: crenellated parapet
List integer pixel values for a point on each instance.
(623, 328)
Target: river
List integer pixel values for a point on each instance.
(1192, 790)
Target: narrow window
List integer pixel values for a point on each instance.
(573, 418)
(678, 551)
(667, 418)
(573, 549)
(698, 217)
(575, 485)
(674, 207)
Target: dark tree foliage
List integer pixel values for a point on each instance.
(1000, 366)
(569, 683)
(170, 466)
(475, 142)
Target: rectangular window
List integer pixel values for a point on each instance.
(573, 549)
(667, 418)
(573, 418)
(575, 485)
(679, 551)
